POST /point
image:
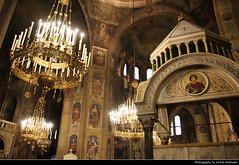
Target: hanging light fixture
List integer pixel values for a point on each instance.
(125, 123)
(52, 60)
(52, 55)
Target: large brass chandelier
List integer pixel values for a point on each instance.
(125, 123)
(50, 59)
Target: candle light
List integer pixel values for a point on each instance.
(24, 36)
(81, 37)
(13, 43)
(19, 40)
(39, 28)
(89, 60)
(30, 30)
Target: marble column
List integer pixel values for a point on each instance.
(205, 45)
(196, 45)
(153, 69)
(187, 46)
(165, 56)
(170, 52)
(148, 125)
(179, 50)
(157, 63)
(212, 49)
(161, 61)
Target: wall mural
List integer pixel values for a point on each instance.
(99, 57)
(96, 86)
(94, 118)
(194, 83)
(73, 143)
(92, 148)
(76, 114)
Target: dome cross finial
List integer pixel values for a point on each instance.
(181, 17)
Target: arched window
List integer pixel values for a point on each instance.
(125, 70)
(176, 126)
(148, 73)
(136, 73)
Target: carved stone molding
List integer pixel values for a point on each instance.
(148, 98)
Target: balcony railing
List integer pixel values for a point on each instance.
(7, 125)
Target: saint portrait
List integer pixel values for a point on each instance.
(73, 143)
(76, 114)
(96, 86)
(194, 83)
(92, 147)
(94, 117)
(99, 57)
(194, 86)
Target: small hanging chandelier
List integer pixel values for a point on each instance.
(36, 127)
(125, 123)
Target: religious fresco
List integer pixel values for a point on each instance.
(96, 86)
(194, 83)
(92, 148)
(94, 118)
(76, 114)
(99, 57)
(73, 143)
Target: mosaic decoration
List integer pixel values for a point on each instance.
(99, 57)
(76, 114)
(94, 119)
(96, 86)
(92, 148)
(194, 83)
(73, 143)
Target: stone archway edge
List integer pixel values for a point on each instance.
(146, 102)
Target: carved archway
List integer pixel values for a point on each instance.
(148, 91)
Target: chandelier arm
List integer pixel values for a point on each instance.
(49, 16)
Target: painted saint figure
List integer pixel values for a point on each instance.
(92, 147)
(76, 114)
(194, 87)
(96, 89)
(95, 115)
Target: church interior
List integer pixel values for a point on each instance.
(119, 79)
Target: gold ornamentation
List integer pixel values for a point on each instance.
(27, 94)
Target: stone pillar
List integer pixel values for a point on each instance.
(196, 45)
(161, 61)
(223, 51)
(165, 56)
(205, 45)
(157, 63)
(170, 52)
(153, 69)
(213, 51)
(187, 46)
(6, 11)
(148, 125)
(179, 50)
(163, 125)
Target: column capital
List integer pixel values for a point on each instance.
(147, 121)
